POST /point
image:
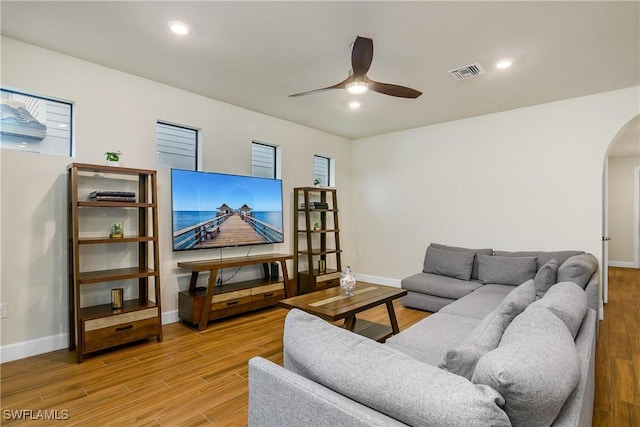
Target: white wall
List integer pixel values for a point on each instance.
(622, 171)
(525, 179)
(114, 110)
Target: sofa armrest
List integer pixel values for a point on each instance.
(592, 290)
(279, 397)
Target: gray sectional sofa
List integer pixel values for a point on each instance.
(496, 355)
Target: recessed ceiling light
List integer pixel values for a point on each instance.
(504, 63)
(179, 27)
(354, 105)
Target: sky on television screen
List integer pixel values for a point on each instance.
(201, 191)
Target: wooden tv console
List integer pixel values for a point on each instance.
(198, 307)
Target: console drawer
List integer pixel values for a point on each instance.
(119, 333)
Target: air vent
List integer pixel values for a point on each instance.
(466, 72)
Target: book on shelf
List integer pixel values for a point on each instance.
(112, 196)
(316, 205)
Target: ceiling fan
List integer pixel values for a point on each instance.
(358, 82)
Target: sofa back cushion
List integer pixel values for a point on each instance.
(385, 379)
(506, 270)
(448, 263)
(535, 368)
(566, 300)
(474, 270)
(462, 359)
(578, 269)
(546, 277)
(542, 256)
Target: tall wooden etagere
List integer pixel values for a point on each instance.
(316, 238)
(98, 327)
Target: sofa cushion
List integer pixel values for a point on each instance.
(546, 277)
(376, 376)
(433, 336)
(474, 270)
(477, 304)
(485, 337)
(542, 256)
(506, 270)
(440, 286)
(566, 300)
(535, 368)
(578, 269)
(448, 263)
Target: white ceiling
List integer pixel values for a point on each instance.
(254, 54)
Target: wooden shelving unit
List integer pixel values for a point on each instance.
(312, 244)
(99, 327)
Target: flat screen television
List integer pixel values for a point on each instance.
(215, 210)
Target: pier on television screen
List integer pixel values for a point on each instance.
(215, 210)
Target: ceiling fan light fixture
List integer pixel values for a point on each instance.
(357, 87)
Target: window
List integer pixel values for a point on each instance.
(176, 147)
(35, 124)
(263, 160)
(322, 170)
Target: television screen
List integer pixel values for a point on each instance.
(214, 210)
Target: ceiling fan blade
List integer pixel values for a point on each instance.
(393, 90)
(340, 85)
(361, 56)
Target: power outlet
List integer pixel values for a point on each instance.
(4, 311)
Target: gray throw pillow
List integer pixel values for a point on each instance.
(485, 337)
(546, 277)
(566, 300)
(535, 368)
(448, 263)
(578, 269)
(506, 270)
(474, 270)
(385, 379)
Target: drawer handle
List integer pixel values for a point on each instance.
(268, 295)
(124, 328)
(232, 302)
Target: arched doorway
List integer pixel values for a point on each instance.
(621, 200)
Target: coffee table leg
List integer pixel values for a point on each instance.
(392, 317)
(350, 323)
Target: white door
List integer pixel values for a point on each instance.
(605, 233)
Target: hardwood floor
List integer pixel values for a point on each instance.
(200, 378)
(617, 401)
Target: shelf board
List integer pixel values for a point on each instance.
(89, 277)
(106, 204)
(108, 240)
(231, 287)
(319, 189)
(316, 272)
(105, 310)
(319, 252)
(85, 167)
(374, 331)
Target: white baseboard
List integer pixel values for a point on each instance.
(378, 280)
(623, 264)
(21, 350)
(170, 317)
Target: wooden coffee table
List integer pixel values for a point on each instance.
(330, 305)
